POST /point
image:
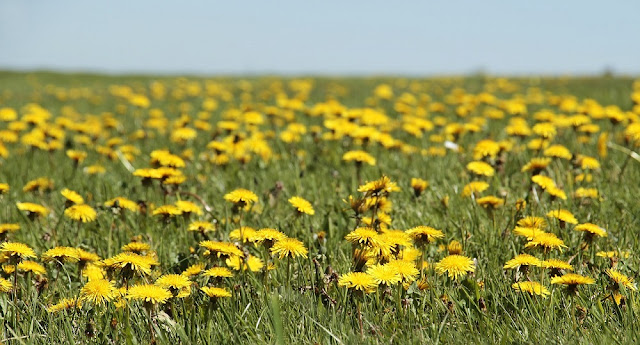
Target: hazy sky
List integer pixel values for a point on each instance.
(324, 37)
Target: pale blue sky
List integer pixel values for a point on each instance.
(328, 37)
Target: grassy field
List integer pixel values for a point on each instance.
(417, 200)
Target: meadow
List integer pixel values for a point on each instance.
(189, 210)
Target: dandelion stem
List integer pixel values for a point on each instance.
(360, 319)
(15, 297)
(288, 272)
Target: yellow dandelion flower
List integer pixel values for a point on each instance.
(621, 279)
(8, 114)
(241, 197)
(490, 202)
(174, 180)
(589, 128)
(184, 134)
(65, 304)
(384, 274)
(395, 238)
(563, 216)
(82, 213)
(95, 169)
(215, 292)
(33, 210)
(72, 196)
(591, 229)
(557, 264)
(379, 249)
(168, 172)
(221, 248)
(424, 234)
(359, 156)
(533, 222)
(383, 219)
(380, 187)
(98, 292)
(588, 163)
(419, 185)
(572, 281)
(76, 155)
(193, 270)
(178, 284)
(583, 177)
(543, 181)
(358, 281)
(268, 236)
(485, 148)
(5, 285)
(546, 241)
(131, 262)
(544, 129)
(122, 203)
(149, 293)
(41, 184)
(218, 272)
(289, 247)
(201, 226)
(538, 144)
(31, 266)
(602, 144)
(148, 174)
(585, 193)
(6, 228)
(302, 205)
(520, 204)
(244, 234)
(136, 247)
(455, 266)
(166, 159)
(528, 232)
(617, 297)
(558, 151)
(481, 168)
(187, 207)
(365, 236)
(93, 272)
(533, 288)
(536, 165)
(17, 250)
(61, 254)
(474, 187)
(251, 263)
(557, 193)
(454, 248)
(167, 211)
(522, 260)
(613, 254)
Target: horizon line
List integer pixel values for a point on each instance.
(310, 74)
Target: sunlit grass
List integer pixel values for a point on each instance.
(270, 210)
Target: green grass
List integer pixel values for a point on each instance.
(311, 308)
